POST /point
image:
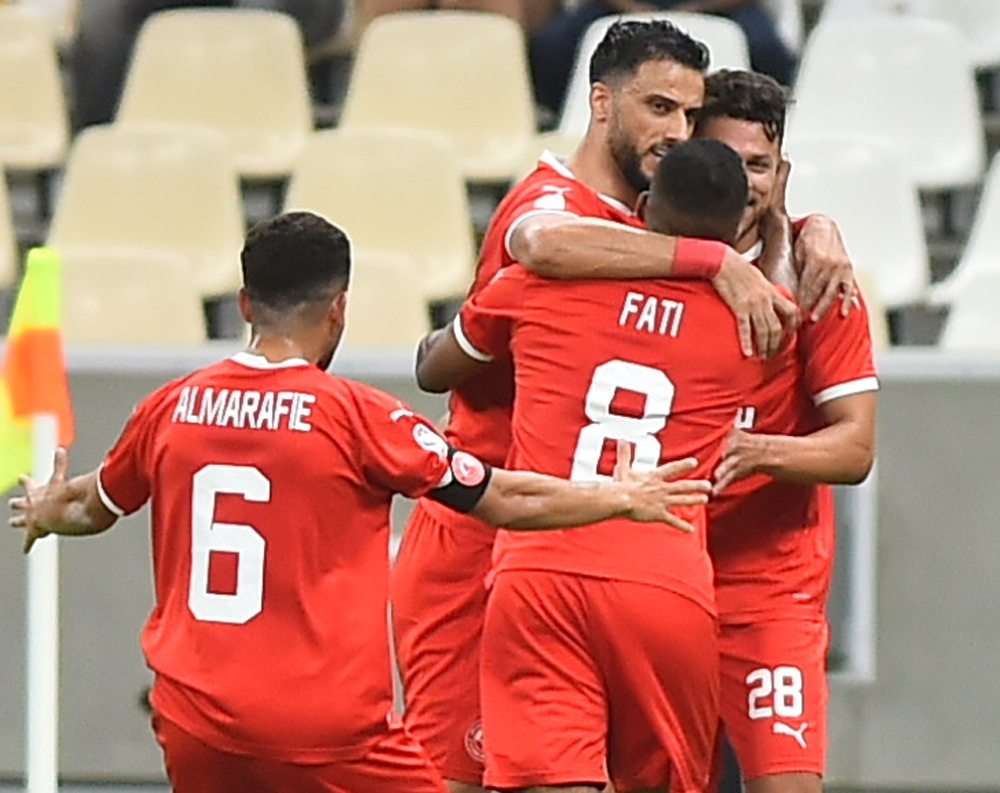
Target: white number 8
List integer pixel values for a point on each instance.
(607, 379)
(207, 536)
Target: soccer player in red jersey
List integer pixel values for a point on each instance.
(270, 483)
(810, 424)
(599, 648)
(648, 85)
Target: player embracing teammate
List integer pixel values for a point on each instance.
(575, 220)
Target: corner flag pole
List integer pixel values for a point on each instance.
(42, 692)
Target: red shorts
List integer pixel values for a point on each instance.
(585, 678)
(394, 764)
(438, 599)
(774, 695)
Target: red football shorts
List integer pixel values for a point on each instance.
(578, 672)
(774, 695)
(438, 603)
(395, 764)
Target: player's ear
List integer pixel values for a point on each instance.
(243, 301)
(641, 203)
(601, 97)
(338, 309)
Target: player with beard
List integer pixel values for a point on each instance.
(568, 219)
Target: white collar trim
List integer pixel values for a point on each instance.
(553, 161)
(260, 362)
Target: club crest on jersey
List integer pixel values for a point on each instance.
(468, 470)
(554, 198)
(474, 741)
(427, 439)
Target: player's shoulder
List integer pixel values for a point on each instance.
(365, 402)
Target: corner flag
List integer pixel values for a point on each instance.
(33, 373)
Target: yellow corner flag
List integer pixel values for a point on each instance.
(33, 374)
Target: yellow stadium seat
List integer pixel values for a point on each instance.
(384, 303)
(34, 125)
(8, 240)
(167, 190)
(240, 72)
(129, 297)
(877, 319)
(392, 190)
(461, 73)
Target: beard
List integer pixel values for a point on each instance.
(628, 160)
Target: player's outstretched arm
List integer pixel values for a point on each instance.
(442, 364)
(566, 246)
(60, 506)
(840, 453)
(524, 500)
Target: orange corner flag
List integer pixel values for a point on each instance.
(33, 374)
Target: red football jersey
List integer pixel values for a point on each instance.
(655, 362)
(481, 408)
(772, 541)
(270, 487)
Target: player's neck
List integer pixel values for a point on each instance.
(278, 347)
(593, 164)
(746, 241)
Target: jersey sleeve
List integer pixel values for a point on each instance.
(123, 481)
(836, 354)
(548, 192)
(399, 450)
(483, 325)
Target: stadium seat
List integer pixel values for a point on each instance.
(130, 297)
(906, 83)
(8, 240)
(788, 17)
(171, 190)
(982, 248)
(725, 40)
(877, 320)
(876, 204)
(62, 16)
(460, 73)
(974, 322)
(557, 143)
(384, 305)
(34, 125)
(392, 190)
(240, 72)
(979, 20)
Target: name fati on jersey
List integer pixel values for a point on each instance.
(651, 314)
(252, 410)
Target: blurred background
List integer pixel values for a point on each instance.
(140, 138)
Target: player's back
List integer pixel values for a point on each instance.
(655, 362)
(270, 501)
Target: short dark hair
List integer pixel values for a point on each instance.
(748, 96)
(294, 258)
(629, 44)
(700, 183)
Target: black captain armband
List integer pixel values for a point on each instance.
(464, 482)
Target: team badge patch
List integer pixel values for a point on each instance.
(474, 740)
(468, 470)
(427, 439)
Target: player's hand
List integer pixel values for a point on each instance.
(826, 269)
(38, 506)
(742, 457)
(763, 314)
(655, 492)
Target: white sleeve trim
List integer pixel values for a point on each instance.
(846, 389)
(518, 220)
(465, 344)
(105, 498)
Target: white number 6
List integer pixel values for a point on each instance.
(207, 536)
